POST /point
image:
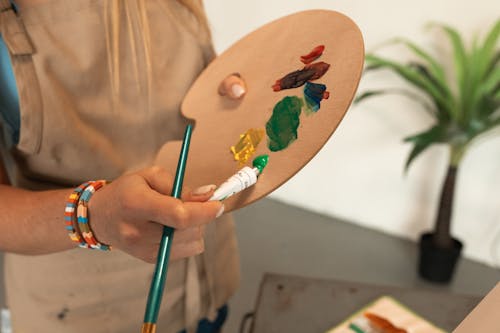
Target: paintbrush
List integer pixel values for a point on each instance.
(160, 274)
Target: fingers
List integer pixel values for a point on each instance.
(186, 243)
(172, 212)
(233, 86)
(189, 235)
(162, 181)
(160, 207)
(187, 250)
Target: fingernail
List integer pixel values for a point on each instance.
(237, 90)
(204, 189)
(220, 212)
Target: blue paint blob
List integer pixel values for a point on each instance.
(314, 93)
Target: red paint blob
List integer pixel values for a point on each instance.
(313, 55)
(383, 324)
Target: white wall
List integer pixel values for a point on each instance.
(359, 175)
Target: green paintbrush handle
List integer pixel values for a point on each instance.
(160, 274)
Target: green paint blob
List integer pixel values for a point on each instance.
(260, 162)
(281, 128)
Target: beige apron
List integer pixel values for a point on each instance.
(100, 85)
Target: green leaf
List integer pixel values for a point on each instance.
(483, 98)
(368, 94)
(459, 52)
(488, 47)
(470, 98)
(492, 82)
(403, 92)
(496, 95)
(416, 78)
(423, 140)
(461, 66)
(435, 68)
(371, 68)
(495, 61)
(441, 113)
(494, 122)
(487, 80)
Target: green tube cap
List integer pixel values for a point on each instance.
(260, 162)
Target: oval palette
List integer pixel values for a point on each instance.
(296, 121)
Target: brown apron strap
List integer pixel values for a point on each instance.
(21, 49)
(13, 31)
(192, 303)
(209, 258)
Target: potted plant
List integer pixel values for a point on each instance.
(463, 107)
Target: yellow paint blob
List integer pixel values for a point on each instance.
(247, 144)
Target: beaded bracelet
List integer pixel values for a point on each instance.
(70, 216)
(82, 216)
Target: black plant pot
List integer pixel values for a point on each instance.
(437, 264)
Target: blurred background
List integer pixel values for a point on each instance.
(359, 175)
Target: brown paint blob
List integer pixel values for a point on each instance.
(300, 77)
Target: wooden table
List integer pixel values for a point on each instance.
(291, 304)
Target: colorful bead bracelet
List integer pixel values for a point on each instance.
(82, 216)
(70, 216)
(77, 218)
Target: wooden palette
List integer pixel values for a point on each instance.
(261, 58)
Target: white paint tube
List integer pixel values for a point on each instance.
(243, 179)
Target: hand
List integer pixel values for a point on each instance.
(130, 213)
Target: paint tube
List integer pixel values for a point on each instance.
(243, 179)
